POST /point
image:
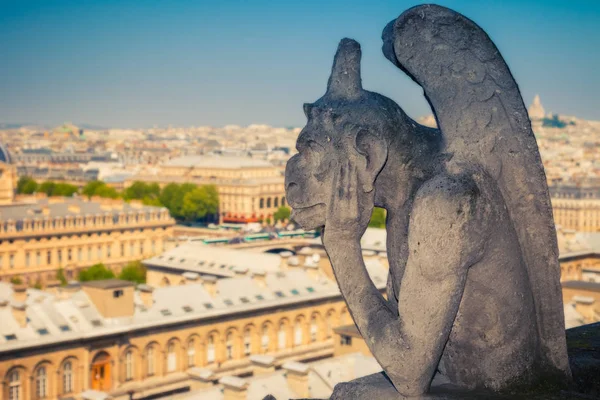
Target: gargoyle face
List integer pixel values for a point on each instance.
(344, 127)
(309, 175)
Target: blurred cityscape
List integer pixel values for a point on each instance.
(162, 262)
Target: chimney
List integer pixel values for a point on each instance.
(284, 258)
(210, 284)
(191, 277)
(19, 311)
(296, 374)
(234, 388)
(52, 286)
(46, 210)
(259, 276)
(201, 378)
(262, 364)
(112, 298)
(70, 288)
(584, 305)
(146, 295)
(19, 292)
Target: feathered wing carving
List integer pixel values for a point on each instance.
(480, 111)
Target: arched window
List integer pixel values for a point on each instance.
(210, 350)
(68, 377)
(265, 338)
(129, 365)
(191, 353)
(41, 383)
(283, 201)
(329, 322)
(150, 360)
(281, 337)
(229, 345)
(298, 333)
(314, 329)
(268, 202)
(171, 358)
(261, 203)
(247, 342)
(14, 386)
(276, 202)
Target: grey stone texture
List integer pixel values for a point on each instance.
(474, 298)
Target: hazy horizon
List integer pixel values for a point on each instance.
(127, 64)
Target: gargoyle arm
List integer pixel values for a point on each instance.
(445, 240)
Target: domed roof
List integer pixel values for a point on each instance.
(4, 155)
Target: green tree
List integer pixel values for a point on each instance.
(107, 191)
(200, 202)
(16, 280)
(134, 272)
(38, 284)
(26, 185)
(90, 188)
(99, 188)
(141, 190)
(57, 189)
(377, 218)
(282, 214)
(167, 194)
(47, 187)
(60, 275)
(64, 189)
(96, 272)
(172, 198)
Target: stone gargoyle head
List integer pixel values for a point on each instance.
(347, 125)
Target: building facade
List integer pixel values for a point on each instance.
(107, 336)
(38, 236)
(250, 190)
(576, 207)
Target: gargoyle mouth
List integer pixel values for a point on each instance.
(310, 217)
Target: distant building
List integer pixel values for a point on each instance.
(250, 190)
(577, 206)
(582, 302)
(294, 380)
(536, 110)
(108, 337)
(8, 177)
(39, 237)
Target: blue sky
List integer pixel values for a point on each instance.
(144, 63)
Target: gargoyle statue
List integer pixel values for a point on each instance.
(473, 294)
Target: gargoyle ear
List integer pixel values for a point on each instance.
(375, 151)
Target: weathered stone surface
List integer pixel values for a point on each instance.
(474, 292)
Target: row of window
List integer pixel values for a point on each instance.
(15, 382)
(81, 254)
(78, 222)
(234, 347)
(262, 202)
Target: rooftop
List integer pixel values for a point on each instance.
(54, 318)
(218, 162)
(108, 284)
(68, 206)
(195, 256)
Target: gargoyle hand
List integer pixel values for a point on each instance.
(349, 210)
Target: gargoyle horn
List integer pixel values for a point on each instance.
(345, 81)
